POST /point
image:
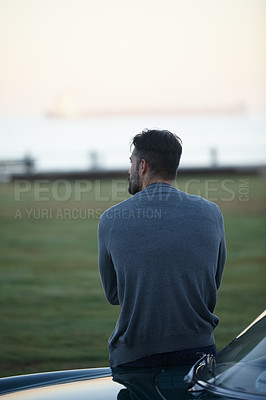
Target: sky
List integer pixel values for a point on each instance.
(129, 56)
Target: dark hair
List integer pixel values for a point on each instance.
(161, 149)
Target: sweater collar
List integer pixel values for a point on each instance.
(154, 185)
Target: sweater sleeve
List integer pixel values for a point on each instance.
(106, 267)
(222, 255)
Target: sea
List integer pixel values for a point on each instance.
(58, 144)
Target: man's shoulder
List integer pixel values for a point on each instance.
(116, 209)
(196, 199)
(202, 205)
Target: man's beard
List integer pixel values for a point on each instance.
(134, 183)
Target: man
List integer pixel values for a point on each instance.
(161, 258)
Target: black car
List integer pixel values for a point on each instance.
(238, 372)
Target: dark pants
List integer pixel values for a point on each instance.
(174, 358)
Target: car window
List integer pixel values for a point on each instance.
(239, 370)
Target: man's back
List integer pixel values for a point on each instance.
(161, 258)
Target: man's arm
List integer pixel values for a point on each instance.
(221, 263)
(106, 267)
(222, 255)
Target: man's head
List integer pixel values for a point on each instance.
(155, 157)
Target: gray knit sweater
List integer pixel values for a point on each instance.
(161, 258)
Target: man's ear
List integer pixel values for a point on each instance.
(143, 166)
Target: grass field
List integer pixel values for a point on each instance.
(53, 311)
